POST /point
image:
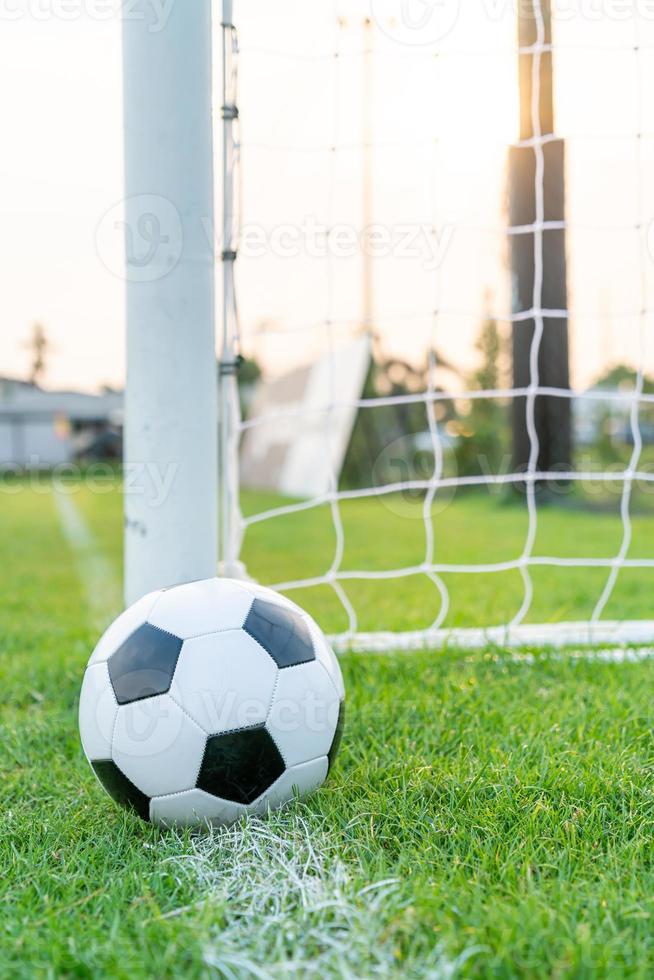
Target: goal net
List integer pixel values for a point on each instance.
(443, 283)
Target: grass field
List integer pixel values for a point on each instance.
(491, 815)
(389, 534)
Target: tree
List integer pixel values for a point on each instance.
(249, 374)
(39, 347)
(623, 377)
(385, 438)
(552, 415)
(612, 420)
(483, 440)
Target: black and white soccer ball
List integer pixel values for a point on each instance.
(210, 701)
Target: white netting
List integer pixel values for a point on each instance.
(448, 103)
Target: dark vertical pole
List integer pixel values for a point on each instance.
(552, 415)
(368, 204)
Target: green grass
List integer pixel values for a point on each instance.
(510, 801)
(389, 533)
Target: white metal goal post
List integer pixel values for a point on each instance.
(174, 398)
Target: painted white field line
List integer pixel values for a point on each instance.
(101, 588)
(287, 907)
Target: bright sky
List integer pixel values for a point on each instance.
(61, 171)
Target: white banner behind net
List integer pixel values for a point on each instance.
(398, 118)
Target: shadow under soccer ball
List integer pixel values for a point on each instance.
(210, 701)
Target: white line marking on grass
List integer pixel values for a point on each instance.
(101, 587)
(287, 907)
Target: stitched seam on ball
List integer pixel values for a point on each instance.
(223, 632)
(201, 636)
(160, 629)
(240, 586)
(305, 663)
(316, 636)
(253, 637)
(272, 735)
(113, 734)
(268, 791)
(200, 729)
(208, 735)
(227, 731)
(272, 700)
(330, 679)
(321, 662)
(244, 629)
(185, 712)
(313, 628)
(269, 654)
(257, 727)
(111, 687)
(283, 757)
(154, 605)
(183, 792)
(116, 706)
(246, 808)
(156, 602)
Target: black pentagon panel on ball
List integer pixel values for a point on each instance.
(144, 665)
(121, 789)
(338, 735)
(281, 632)
(240, 766)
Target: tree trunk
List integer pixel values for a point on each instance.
(552, 414)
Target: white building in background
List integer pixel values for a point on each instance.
(610, 416)
(304, 423)
(40, 429)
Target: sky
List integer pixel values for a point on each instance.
(443, 110)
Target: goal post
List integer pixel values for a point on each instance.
(228, 339)
(183, 495)
(171, 398)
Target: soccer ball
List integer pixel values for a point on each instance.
(210, 701)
